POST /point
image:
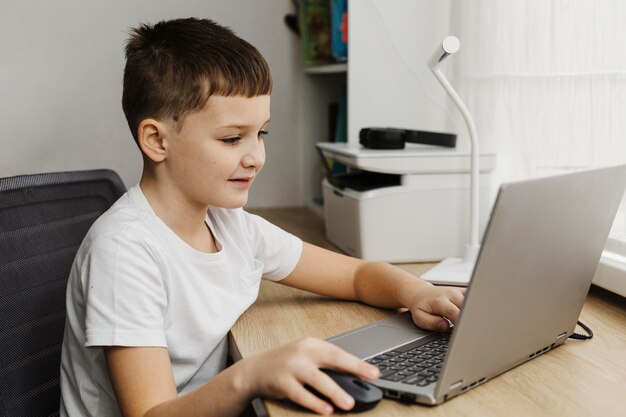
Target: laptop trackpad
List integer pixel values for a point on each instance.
(378, 337)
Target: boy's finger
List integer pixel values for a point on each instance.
(325, 386)
(430, 322)
(307, 399)
(445, 308)
(451, 311)
(342, 361)
(457, 297)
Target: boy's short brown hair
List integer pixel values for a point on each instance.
(173, 67)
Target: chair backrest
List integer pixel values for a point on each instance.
(43, 220)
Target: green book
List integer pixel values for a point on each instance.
(314, 20)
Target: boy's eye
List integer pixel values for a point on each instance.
(263, 133)
(231, 141)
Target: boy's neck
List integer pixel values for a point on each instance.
(183, 217)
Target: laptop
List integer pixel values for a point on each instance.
(539, 254)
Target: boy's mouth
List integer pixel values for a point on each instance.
(241, 182)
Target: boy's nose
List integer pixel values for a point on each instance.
(254, 154)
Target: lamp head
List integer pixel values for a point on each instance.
(449, 46)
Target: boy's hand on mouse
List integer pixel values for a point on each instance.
(284, 372)
(432, 306)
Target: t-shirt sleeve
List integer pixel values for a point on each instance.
(124, 293)
(278, 250)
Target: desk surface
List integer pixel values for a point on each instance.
(585, 378)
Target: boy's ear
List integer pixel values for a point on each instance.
(151, 137)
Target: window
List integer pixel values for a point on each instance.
(546, 83)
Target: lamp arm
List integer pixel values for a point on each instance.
(474, 170)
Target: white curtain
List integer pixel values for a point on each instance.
(546, 83)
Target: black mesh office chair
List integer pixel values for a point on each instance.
(43, 219)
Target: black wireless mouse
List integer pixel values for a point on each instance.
(365, 395)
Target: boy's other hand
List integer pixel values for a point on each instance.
(434, 308)
(284, 372)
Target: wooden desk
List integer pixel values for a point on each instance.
(585, 378)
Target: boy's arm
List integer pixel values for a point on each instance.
(376, 283)
(144, 386)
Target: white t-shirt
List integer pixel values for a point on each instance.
(134, 282)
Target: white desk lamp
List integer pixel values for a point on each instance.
(455, 271)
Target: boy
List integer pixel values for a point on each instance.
(161, 277)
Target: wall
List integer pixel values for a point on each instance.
(389, 83)
(61, 67)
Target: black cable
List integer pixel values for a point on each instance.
(579, 336)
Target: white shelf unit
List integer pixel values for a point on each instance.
(387, 80)
(421, 217)
(320, 90)
(328, 69)
(413, 159)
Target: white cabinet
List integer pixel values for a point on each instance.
(424, 217)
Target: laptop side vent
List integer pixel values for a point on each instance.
(460, 389)
(472, 385)
(539, 352)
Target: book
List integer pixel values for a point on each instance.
(314, 20)
(339, 29)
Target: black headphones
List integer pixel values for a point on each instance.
(390, 138)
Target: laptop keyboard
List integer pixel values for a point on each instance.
(414, 365)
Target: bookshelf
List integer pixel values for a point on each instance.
(327, 69)
(322, 29)
(322, 86)
(386, 78)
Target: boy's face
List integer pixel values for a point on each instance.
(219, 151)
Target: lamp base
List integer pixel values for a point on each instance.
(454, 271)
